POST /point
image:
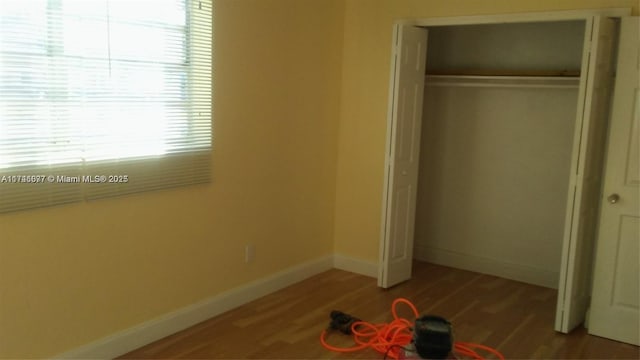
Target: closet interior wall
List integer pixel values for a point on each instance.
(498, 123)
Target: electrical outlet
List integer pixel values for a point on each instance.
(249, 253)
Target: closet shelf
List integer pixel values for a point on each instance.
(502, 81)
(505, 72)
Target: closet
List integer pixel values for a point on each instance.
(498, 120)
(495, 142)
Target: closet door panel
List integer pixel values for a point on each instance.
(585, 180)
(404, 150)
(615, 304)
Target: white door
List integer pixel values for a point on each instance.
(574, 288)
(616, 286)
(403, 150)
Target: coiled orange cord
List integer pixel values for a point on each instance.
(389, 339)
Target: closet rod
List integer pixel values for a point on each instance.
(503, 81)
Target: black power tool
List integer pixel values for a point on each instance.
(432, 337)
(341, 321)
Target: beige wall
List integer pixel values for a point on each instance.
(366, 64)
(72, 274)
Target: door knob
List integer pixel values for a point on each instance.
(613, 198)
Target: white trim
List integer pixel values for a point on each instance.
(561, 15)
(358, 266)
(528, 274)
(137, 336)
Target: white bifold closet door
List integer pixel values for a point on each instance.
(615, 305)
(574, 291)
(403, 151)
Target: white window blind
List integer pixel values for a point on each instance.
(102, 97)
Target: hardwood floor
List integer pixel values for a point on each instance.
(513, 317)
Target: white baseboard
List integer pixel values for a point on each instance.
(133, 338)
(483, 265)
(357, 266)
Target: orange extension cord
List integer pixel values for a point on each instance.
(390, 338)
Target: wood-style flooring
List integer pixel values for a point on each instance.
(513, 317)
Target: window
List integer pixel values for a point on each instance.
(102, 97)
